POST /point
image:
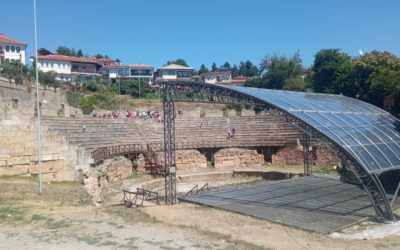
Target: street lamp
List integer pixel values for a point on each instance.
(37, 103)
(139, 79)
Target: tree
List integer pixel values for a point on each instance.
(280, 72)
(235, 71)
(214, 67)
(371, 66)
(203, 69)
(98, 56)
(79, 53)
(14, 70)
(178, 61)
(248, 69)
(332, 69)
(226, 65)
(63, 50)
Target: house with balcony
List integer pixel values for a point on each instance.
(69, 68)
(174, 72)
(12, 50)
(140, 72)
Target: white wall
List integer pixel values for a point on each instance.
(14, 55)
(60, 67)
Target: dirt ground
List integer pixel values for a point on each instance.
(63, 218)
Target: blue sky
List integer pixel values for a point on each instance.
(206, 31)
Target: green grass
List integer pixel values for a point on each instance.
(135, 174)
(52, 224)
(325, 170)
(37, 217)
(12, 214)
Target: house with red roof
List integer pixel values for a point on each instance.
(12, 50)
(69, 68)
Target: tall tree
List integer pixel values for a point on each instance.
(63, 50)
(332, 69)
(248, 69)
(79, 53)
(370, 66)
(226, 65)
(235, 71)
(178, 61)
(280, 72)
(203, 69)
(214, 67)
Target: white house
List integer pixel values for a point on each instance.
(69, 68)
(12, 50)
(174, 72)
(140, 72)
(217, 77)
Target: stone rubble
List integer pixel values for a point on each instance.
(236, 157)
(111, 170)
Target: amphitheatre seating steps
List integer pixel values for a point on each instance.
(100, 132)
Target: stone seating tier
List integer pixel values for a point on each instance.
(257, 130)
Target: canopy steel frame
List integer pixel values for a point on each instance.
(180, 91)
(169, 145)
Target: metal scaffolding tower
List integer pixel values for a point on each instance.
(169, 145)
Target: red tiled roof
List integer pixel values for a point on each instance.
(136, 66)
(104, 60)
(67, 58)
(5, 39)
(240, 79)
(216, 73)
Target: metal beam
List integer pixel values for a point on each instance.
(169, 145)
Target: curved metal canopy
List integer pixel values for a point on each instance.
(366, 133)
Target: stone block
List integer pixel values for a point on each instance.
(214, 113)
(231, 113)
(48, 167)
(14, 170)
(3, 162)
(248, 112)
(20, 160)
(46, 157)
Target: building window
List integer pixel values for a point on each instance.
(12, 48)
(169, 72)
(183, 74)
(18, 49)
(7, 48)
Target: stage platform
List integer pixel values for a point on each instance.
(317, 203)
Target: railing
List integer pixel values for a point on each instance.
(132, 197)
(197, 190)
(102, 153)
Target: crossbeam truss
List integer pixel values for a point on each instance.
(209, 93)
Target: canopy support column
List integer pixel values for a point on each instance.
(374, 190)
(307, 150)
(169, 145)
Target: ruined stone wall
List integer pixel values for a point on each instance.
(236, 157)
(190, 160)
(111, 170)
(293, 155)
(288, 155)
(323, 157)
(18, 152)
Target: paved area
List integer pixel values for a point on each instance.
(317, 203)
